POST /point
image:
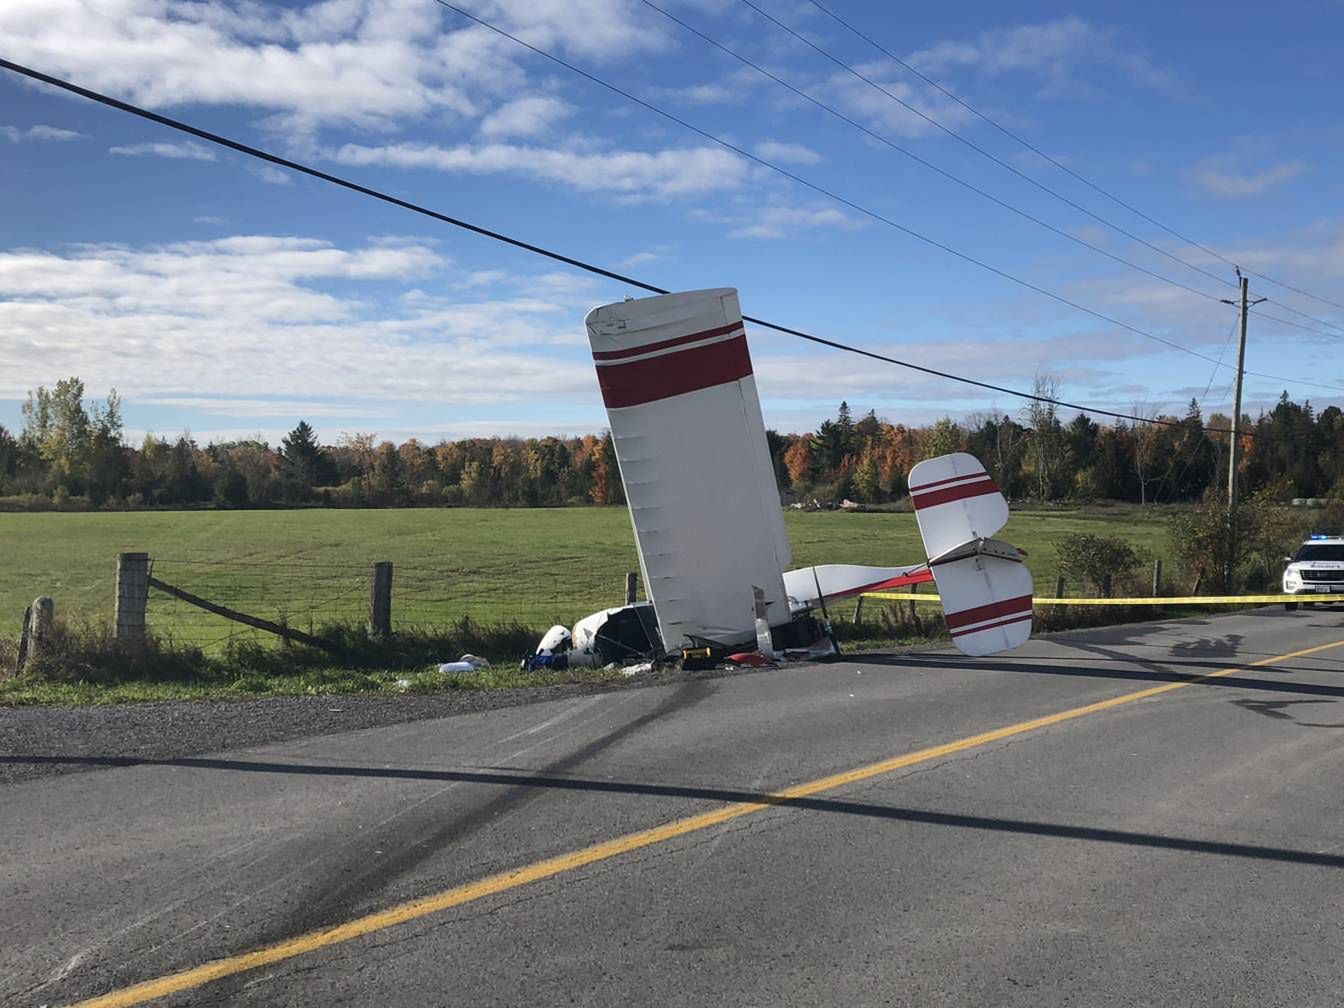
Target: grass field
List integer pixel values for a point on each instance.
(537, 567)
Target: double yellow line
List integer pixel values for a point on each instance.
(403, 913)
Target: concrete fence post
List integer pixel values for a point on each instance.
(631, 584)
(1157, 577)
(132, 595)
(380, 600)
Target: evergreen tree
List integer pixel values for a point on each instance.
(300, 461)
(389, 477)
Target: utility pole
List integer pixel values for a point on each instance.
(1234, 446)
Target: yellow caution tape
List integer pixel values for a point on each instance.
(1163, 600)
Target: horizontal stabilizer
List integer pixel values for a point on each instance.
(955, 502)
(987, 603)
(984, 585)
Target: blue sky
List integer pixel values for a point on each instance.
(229, 298)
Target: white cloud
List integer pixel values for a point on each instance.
(667, 173)
(1055, 50)
(525, 117)
(705, 94)
(789, 153)
(40, 133)
(1231, 185)
(776, 222)
(185, 150)
(880, 102)
(254, 317)
(238, 406)
(485, 278)
(352, 62)
(270, 174)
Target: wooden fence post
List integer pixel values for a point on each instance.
(132, 594)
(630, 583)
(1157, 577)
(858, 611)
(1106, 585)
(380, 600)
(37, 620)
(1059, 586)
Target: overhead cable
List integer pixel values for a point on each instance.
(1058, 164)
(485, 232)
(844, 201)
(886, 141)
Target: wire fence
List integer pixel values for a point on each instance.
(308, 597)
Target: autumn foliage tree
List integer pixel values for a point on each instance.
(71, 452)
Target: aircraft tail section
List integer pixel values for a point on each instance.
(984, 585)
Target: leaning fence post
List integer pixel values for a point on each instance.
(380, 600)
(132, 595)
(1059, 586)
(858, 611)
(1157, 577)
(37, 621)
(630, 587)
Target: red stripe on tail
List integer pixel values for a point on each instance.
(1008, 607)
(932, 498)
(951, 479)
(634, 383)
(606, 355)
(1024, 618)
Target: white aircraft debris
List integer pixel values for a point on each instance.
(685, 417)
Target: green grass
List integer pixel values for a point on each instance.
(537, 567)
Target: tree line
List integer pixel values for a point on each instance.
(72, 453)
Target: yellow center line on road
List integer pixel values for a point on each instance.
(175, 983)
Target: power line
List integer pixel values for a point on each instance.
(1289, 322)
(1058, 164)
(580, 264)
(844, 201)
(921, 161)
(973, 188)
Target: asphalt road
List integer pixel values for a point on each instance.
(1181, 847)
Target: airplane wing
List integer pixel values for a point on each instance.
(807, 586)
(686, 422)
(985, 587)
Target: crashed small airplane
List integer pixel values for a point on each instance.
(690, 441)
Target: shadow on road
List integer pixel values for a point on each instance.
(919, 817)
(1149, 674)
(1276, 709)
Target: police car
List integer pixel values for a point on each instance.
(1317, 572)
